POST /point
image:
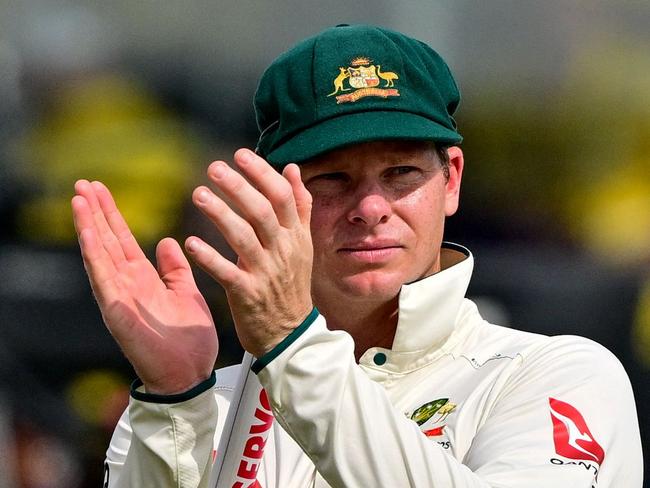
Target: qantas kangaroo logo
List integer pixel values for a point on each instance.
(571, 435)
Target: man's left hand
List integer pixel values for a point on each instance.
(264, 216)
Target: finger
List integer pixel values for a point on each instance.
(81, 214)
(173, 267)
(99, 265)
(212, 262)
(238, 232)
(271, 184)
(130, 247)
(300, 193)
(106, 236)
(255, 207)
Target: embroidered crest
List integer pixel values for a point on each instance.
(440, 408)
(364, 78)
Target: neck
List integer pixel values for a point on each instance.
(369, 324)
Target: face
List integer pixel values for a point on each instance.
(378, 217)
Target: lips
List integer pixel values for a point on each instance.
(375, 245)
(370, 252)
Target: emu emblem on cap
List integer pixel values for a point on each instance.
(365, 79)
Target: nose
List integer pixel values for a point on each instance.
(371, 207)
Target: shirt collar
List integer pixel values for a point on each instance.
(428, 308)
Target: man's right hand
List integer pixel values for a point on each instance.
(159, 318)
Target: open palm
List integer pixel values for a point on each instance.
(158, 316)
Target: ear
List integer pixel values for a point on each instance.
(452, 188)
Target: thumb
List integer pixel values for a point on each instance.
(300, 193)
(173, 267)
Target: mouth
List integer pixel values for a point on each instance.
(370, 252)
(370, 244)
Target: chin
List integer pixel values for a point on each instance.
(372, 285)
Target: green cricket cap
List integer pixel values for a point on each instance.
(352, 84)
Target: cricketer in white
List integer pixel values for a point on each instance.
(350, 424)
(405, 385)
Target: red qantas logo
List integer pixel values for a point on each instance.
(571, 435)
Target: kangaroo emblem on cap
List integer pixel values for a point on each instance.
(365, 78)
(338, 82)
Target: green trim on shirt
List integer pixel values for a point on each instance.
(175, 398)
(266, 358)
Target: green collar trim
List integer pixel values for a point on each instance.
(177, 397)
(266, 358)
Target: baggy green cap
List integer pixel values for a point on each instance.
(352, 84)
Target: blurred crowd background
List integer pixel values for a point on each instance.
(143, 94)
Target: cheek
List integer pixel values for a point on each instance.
(424, 205)
(321, 212)
(324, 216)
(425, 215)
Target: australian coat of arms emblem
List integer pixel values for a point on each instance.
(363, 79)
(430, 415)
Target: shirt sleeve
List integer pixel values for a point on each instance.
(568, 411)
(350, 430)
(164, 441)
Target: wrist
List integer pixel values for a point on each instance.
(139, 391)
(270, 355)
(168, 386)
(269, 342)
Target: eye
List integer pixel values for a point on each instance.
(402, 170)
(327, 182)
(331, 177)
